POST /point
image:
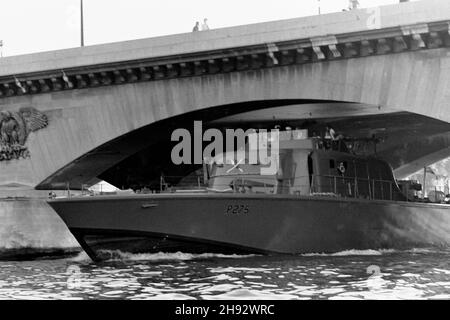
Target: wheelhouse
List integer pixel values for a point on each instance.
(307, 166)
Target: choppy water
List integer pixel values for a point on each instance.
(370, 274)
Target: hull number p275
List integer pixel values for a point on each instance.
(235, 209)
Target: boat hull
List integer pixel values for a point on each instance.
(235, 223)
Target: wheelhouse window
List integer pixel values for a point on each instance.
(332, 164)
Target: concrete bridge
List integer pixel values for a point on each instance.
(77, 116)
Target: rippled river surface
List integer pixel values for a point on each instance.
(370, 274)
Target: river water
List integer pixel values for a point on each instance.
(369, 274)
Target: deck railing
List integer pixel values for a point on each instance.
(316, 185)
(353, 187)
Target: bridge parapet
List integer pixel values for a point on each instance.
(359, 33)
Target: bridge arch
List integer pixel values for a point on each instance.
(82, 120)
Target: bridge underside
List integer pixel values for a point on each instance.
(111, 108)
(137, 159)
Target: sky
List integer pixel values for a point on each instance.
(28, 26)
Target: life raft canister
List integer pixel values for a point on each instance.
(341, 168)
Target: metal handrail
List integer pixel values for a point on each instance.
(348, 187)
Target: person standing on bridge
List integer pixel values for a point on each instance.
(205, 25)
(353, 4)
(196, 27)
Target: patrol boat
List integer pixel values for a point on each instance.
(322, 199)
